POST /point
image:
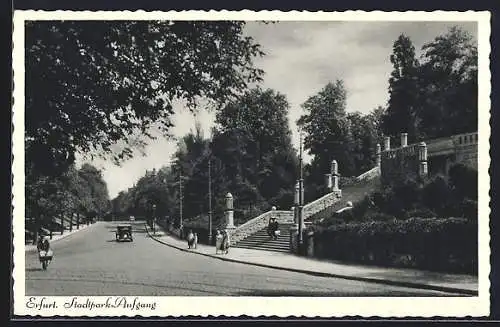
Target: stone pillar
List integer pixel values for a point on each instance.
(310, 244)
(294, 239)
(387, 145)
(404, 139)
(422, 158)
(229, 211)
(379, 154)
(297, 194)
(296, 203)
(328, 182)
(335, 175)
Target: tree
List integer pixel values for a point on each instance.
(365, 133)
(90, 84)
(254, 141)
(326, 127)
(448, 80)
(92, 178)
(401, 115)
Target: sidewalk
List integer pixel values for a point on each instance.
(57, 236)
(453, 283)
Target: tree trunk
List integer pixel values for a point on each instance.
(71, 221)
(78, 220)
(62, 224)
(37, 228)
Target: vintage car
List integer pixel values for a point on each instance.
(124, 233)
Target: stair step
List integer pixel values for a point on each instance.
(265, 235)
(258, 243)
(263, 249)
(281, 246)
(261, 240)
(267, 239)
(264, 244)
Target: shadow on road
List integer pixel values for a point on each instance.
(34, 269)
(300, 293)
(129, 283)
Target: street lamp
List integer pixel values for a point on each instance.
(180, 199)
(209, 204)
(301, 196)
(154, 218)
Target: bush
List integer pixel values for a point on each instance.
(360, 209)
(434, 244)
(420, 212)
(437, 195)
(344, 216)
(468, 209)
(407, 193)
(329, 222)
(380, 216)
(464, 181)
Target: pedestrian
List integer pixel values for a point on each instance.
(190, 239)
(225, 242)
(270, 227)
(276, 231)
(218, 241)
(195, 240)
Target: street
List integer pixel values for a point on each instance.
(91, 262)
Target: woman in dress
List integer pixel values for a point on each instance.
(225, 242)
(218, 241)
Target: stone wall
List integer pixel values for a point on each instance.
(369, 175)
(466, 149)
(256, 224)
(322, 203)
(403, 162)
(399, 164)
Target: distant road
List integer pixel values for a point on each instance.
(91, 262)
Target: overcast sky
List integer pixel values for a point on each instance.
(301, 58)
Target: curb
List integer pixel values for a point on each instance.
(331, 275)
(60, 238)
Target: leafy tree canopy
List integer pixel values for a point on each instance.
(90, 84)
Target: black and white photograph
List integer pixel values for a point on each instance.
(251, 163)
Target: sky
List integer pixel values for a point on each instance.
(301, 58)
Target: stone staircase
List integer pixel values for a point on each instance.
(261, 241)
(352, 193)
(253, 234)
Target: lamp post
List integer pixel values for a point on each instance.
(301, 196)
(209, 204)
(154, 219)
(180, 199)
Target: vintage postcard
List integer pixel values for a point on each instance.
(219, 163)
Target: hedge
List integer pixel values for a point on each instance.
(448, 244)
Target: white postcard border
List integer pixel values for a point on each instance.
(257, 306)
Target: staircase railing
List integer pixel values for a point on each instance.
(370, 174)
(321, 203)
(258, 223)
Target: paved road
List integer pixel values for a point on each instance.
(91, 262)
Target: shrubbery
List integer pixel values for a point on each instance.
(454, 195)
(406, 225)
(433, 244)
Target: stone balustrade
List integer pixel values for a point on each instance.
(409, 150)
(370, 174)
(322, 203)
(465, 139)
